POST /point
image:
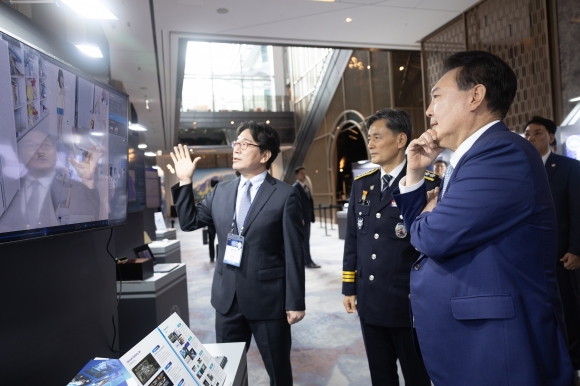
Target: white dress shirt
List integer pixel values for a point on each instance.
(455, 158)
(256, 183)
(545, 157)
(43, 188)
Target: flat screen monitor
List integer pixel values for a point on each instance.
(63, 147)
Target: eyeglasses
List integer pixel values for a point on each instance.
(243, 145)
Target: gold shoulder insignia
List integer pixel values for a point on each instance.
(367, 173)
(430, 176)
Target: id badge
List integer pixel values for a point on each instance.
(234, 249)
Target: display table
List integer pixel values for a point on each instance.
(168, 233)
(236, 368)
(166, 251)
(341, 218)
(146, 304)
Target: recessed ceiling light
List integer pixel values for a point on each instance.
(368, 67)
(267, 122)
(142, 146)
(90, 50)
(150, 154)
(90, 9)
(401, 68)
(232, 122)
(137, 127)
(348, 20)
(222, 11)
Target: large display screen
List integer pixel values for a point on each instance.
(63, 147)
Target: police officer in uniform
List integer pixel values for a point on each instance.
(378, 255)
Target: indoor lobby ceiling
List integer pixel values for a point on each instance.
(149, 72)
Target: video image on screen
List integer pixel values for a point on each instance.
(61, 137)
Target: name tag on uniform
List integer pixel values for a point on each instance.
(234, 249)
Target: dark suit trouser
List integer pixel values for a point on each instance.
(211, 241)
(384, 345)
(571, 308)
(272, 337)
(307, 257)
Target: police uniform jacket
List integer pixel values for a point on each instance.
(378, 254)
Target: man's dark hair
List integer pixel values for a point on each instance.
(480, 67)
(265, 136)
(547, 123)
(398, 121)
(297, 170)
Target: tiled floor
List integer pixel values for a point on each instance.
(327, 346)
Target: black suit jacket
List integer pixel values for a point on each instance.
(564, 177)
(377, 263)
(306, 203)
(270, 279)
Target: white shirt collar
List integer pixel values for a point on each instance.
(545, 157)
(256, 180)
(301, 183)
(44, 181)
(395, 172)
(468, 143)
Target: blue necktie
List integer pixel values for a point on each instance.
(386, 180)
(245, 204)
(446, 177)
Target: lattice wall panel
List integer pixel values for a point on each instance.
(516, 31)
(447, 41)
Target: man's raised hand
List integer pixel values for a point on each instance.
(420, 154)
(184, 166)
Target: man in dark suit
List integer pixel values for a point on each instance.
(307, 213)
(484, 294)
(48, 196)
(564, 178)
(378, 255)
(259, 291)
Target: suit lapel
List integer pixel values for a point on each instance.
(264, 193)
(551, 165)
(229, 205)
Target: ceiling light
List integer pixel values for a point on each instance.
(232, 122)
(348, 20)
(577, 99)
(150, 154)
(195, 123)
(137, 127)
(401, 68)
(90, 9)
(142, 146)
(97, 134)
(368, 67)
(159, 152)
(90, 50)
(267, 122)
(147, 104)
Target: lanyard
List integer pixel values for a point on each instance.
(249, 209)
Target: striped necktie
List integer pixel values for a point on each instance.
(245, 204)
(386, 180)
(446, 177)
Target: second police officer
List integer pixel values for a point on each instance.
(378, 255)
